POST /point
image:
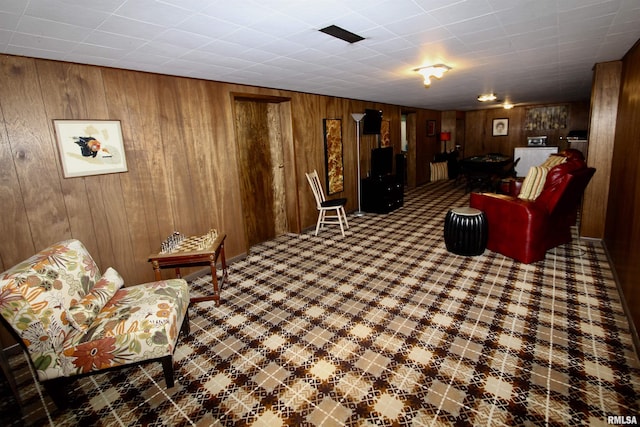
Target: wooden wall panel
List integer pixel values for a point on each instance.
(35, 156)
(135, 185)
(14, 226)
(604, 109)
(622, 232)
(61, 104)
(479, 137)
(181, 153)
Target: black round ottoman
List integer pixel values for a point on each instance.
(465, 231)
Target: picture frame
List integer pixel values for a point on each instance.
(90, 147)
(332, 129)
(500, 127)
(385, 136)
(431, 128)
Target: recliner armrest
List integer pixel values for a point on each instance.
(515, 225)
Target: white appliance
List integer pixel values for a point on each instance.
(531, 156)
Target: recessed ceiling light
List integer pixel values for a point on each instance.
(487, 97)
(342, 34)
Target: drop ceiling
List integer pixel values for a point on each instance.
(527, 52)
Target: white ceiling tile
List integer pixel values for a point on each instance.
(45, 43)
(207, 26)
(130, 27)
(50, 29)
(5, 36)
(153, 12)
(528, 50)
(116, 41)
(90, 50)
(15, 7)
(9, 21)
(181, 38)
(33, 52)
(52, 10)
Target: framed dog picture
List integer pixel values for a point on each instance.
(90, 147)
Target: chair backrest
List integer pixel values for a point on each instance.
(316, 187)
(563, 190)
(37, 294)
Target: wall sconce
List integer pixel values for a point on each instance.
(429, 71)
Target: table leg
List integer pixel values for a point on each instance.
(223, 261)
(214, 280)
(156, 269)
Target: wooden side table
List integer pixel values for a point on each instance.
(191, 257)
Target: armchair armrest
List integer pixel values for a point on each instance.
(516, 227)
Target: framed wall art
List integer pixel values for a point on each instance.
(431, 127)
(385, 137)
(333, 155)
(545, 118)
(500, 127)
(90, 147)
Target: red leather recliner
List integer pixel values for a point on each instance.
(525, 230)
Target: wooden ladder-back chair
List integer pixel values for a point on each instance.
(324, 206)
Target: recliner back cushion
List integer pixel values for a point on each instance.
(558, 179)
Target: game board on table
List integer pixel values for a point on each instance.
(178, 242)
(180, 251)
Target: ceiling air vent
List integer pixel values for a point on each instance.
(342, 34)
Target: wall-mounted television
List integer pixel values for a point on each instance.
(371, 122)
(381, 161)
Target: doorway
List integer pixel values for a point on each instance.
(262, 128)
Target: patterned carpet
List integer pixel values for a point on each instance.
(385, 327)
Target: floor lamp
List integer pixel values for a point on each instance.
(358, 117)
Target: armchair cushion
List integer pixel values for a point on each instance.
(140, 322)
(439, 171)
(533, 183)
(85, 311)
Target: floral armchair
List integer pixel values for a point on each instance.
(72, 320)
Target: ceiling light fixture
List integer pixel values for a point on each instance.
(487, 97)
(430, 71)
(507, 106)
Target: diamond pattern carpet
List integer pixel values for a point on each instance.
(384, 327)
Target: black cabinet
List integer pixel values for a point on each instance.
(382, 194)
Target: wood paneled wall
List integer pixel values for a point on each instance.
(604, 109)
(181, 153)
(479, 137)
(622, 231)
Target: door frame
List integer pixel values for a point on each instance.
(292, 210)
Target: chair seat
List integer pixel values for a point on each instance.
(333, 203)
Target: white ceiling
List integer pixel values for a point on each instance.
(526, 51)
